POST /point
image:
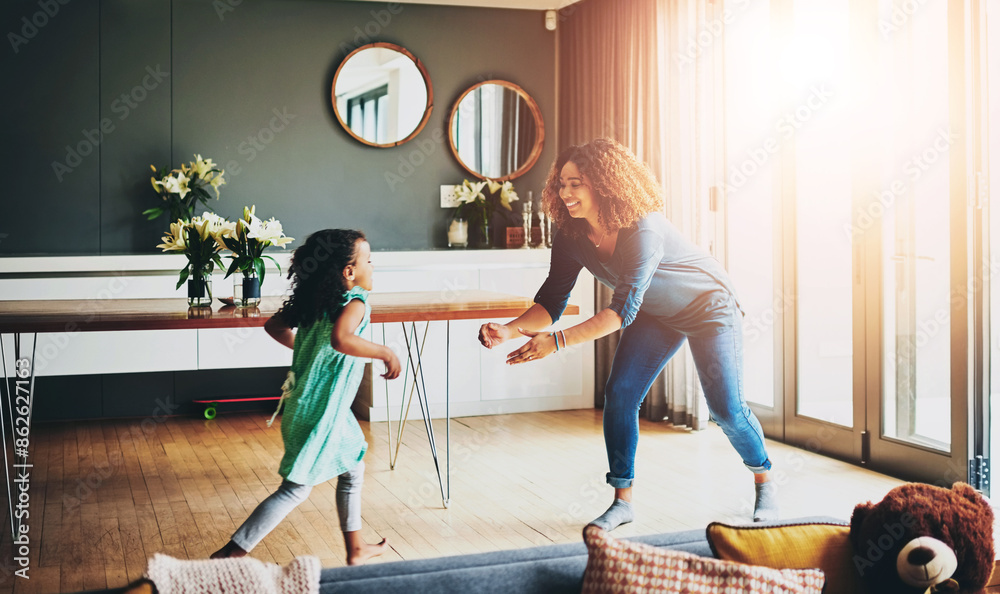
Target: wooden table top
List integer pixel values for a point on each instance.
(58, 315)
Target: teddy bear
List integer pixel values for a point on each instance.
(921, 538)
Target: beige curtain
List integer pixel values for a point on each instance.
(629, 71)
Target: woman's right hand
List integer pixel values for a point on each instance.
(492, 334)
(392, 366)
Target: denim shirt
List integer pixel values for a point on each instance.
(653, 270)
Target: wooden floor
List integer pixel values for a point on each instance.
(106, 495)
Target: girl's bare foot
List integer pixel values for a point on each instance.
(359, 555)
(230, 550)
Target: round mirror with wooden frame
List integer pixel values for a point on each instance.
(496, 130)
(382, 95)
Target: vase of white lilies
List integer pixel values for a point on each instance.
(181, 190)
(246, 240)
(199, 239)
(478, 203)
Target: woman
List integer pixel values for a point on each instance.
(608, 208)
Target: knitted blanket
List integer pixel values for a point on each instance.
(240, 576)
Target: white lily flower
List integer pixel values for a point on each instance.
(202, 228)
(270, 232)
(494, 185)
(507, 194)
(174, 240)
(182, 189)
(216, 224)
(217, 181)
(227, 229)
(177, 185)
(201, 167)
(469, 192)
(249, 224)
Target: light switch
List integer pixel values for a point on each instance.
(448, 197)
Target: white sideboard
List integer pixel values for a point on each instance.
(480, 381)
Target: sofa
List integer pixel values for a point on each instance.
(547, 569)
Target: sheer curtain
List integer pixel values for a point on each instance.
(647, 73)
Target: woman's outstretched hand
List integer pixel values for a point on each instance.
(541, 345)
(493, 334)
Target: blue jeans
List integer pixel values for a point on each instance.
(643, 351)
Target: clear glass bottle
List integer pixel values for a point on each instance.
(199, 286)
(246, 289)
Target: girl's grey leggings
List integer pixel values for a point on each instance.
(273, 510)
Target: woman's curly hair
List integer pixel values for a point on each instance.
(317, 273)
(624, 187)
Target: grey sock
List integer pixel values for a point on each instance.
(765, 507)
(619, 513)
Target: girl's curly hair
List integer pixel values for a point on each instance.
(317, 273)
(624, 187)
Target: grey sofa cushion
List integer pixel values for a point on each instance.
(545, 569)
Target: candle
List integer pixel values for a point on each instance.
(458, 233)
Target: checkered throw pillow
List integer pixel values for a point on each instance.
(626, 567)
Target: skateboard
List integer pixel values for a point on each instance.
(211, 406)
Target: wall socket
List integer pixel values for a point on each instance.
(448, 197)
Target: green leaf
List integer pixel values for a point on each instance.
(258, 264)
(275, 262)
(232, 244)
(232, 268)
(183, 277)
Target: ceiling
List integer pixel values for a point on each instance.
(523, 4)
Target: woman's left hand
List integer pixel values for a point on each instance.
(541, 345)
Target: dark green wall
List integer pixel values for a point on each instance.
(168, 79)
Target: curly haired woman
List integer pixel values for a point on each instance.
(608, 208)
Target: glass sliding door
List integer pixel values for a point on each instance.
(872, 121)
(753, 217)
(819, 118)
(919, 420)
(817, 180)
(916, 238)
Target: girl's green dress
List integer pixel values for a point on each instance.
(322, 437)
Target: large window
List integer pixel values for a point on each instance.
(367, 114)
(859, 230)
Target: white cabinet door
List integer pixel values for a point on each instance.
(225, 348)
(85, 353)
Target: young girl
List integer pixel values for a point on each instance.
(331, 277)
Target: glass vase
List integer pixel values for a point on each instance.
(246, 289)
(199, 286)
(485, 239)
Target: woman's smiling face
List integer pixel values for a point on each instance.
(574, 190)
